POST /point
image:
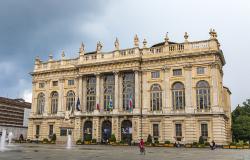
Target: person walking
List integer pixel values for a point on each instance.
(213, 146)
(141, 146)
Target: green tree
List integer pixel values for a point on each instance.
(241, 122)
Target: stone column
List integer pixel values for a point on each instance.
(166, 107)
(188, 89)
(61, 98)
(80, 89)
(84, 94)
(97, 92)
(120, 93)
(137, 92)
(101, 105)
(145, 99)
(34, 98)
(116, 97)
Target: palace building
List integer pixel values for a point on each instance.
(171, 91)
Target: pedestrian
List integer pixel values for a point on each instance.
(213, 146)
(141, 146)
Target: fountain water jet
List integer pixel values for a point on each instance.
(2, 141)
(69, 142)
(10, 136)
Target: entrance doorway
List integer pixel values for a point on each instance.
(106, 130)
(87, 130)
(126, 131)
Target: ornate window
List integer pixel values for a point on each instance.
(128, 90)
(109, 89)
(54, 102)
(91, 94)
(156, 97)
(203, 95)
(178, 96)
(40, 103)
(70, 101)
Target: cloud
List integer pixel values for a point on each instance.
(27, 95)
(34, 28)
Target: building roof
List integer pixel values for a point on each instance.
(162, 43)
(15, 102)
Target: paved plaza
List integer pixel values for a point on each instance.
(101, 152)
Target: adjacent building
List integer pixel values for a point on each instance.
(171, 91)
(14, 114)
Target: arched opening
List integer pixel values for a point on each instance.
(106, 130)
(87, 130)
(126, 131)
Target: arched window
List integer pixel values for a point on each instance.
(202, 95)
(70, 102)
(91, 94)
(40, 103)
(128, 84)
(54, 102)
(109, 91)
(178, 96)
(156, 97)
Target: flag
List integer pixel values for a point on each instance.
(98, 107)
(110, 105)
(130, 104)
(78, 104)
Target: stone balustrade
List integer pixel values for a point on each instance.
(171, 49)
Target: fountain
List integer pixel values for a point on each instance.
(69, 142)
(2, 141)
(10, 136)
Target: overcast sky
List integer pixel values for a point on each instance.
(31, 28)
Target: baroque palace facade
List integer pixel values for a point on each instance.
(172, 91)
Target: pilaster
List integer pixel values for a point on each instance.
(137, 92)
(84, 93)
(188, 88)
(98, 91)
(166, 90)
(116, 105)
(61, 97)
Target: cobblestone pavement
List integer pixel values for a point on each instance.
(101, 152)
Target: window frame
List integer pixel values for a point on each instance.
(128, 84)
(108, 91)
(71, 82)
(70, 100)
(200, 70)
(155, 74)
(91, 94)
(54, 102)
(203, 95)
(177, 72)
(178, 96)
(156, 97)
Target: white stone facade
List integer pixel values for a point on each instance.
(190, 120)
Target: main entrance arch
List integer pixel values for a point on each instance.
(106, 130)
(87, 130)
(126, 131)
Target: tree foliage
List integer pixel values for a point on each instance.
(241, 122)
